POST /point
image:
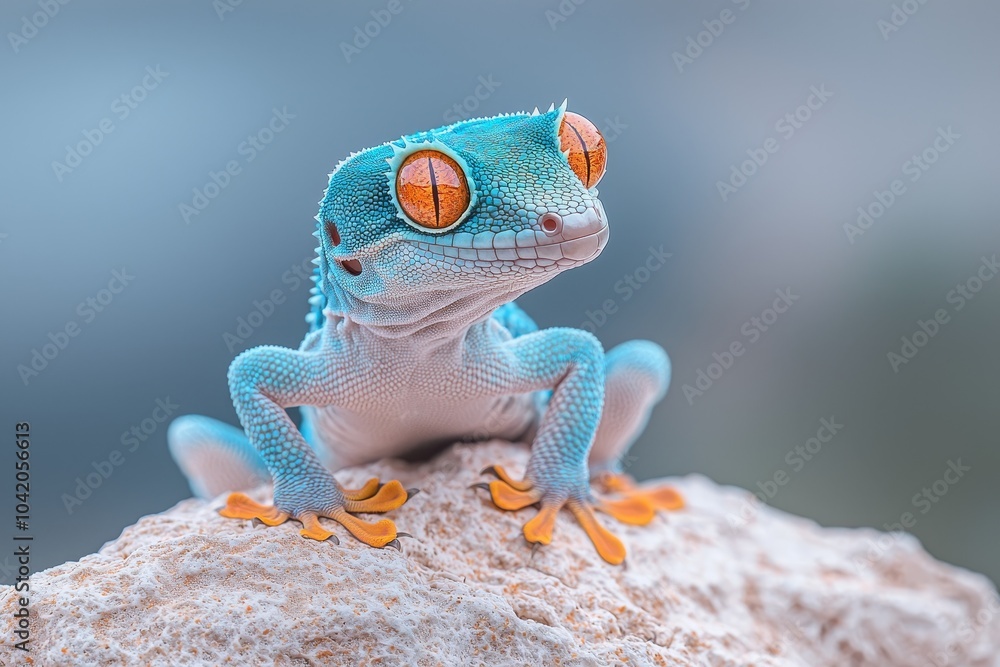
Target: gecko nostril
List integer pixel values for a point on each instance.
(551, 223)
(352, 266)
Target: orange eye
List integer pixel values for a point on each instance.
(432, 189)
(588, 154)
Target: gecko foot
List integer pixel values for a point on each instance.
(372, 497)
(660, 497)
(510, 494)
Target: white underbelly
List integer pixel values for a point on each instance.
(346, 438)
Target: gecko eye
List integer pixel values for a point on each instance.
(432, 189)
(587, 152)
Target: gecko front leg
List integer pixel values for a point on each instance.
(263, 382)
(570, 362)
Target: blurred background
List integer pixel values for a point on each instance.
(162, 164)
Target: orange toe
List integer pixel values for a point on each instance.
(539, 529)
(608, 546)
(369, 489)
(312, 529)
(241, 506)
(664, 498)
(635, 510)
(389, 497)
(504, 476)
(507, 497)
(376, 534)
(614, 482)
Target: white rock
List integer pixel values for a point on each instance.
(188, 587)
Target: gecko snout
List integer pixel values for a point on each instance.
(573, 225)
(575, 236)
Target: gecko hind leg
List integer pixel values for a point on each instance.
(637, 377)
(214, 456)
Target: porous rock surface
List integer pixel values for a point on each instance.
(699, 587)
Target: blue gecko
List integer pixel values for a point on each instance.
(415, 341)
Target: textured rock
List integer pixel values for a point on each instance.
(187, 587)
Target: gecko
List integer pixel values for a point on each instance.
(415, 340)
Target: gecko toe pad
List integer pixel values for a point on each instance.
(539, 529)
(241, 506)
(378, 534)
(507, 497)
(660, 497)
(311, 528)
(367, 490)
(608, 546)
(664, 497)
(635, 510)
(504, 476)
(390, 496)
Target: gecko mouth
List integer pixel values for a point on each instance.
(539, 251)
(563, 240)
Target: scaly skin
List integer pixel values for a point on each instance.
(415, 340)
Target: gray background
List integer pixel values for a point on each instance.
(681, 131)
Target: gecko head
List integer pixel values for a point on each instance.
(492, 206)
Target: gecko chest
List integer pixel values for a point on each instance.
(394, 427)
